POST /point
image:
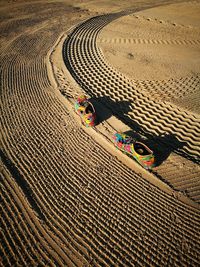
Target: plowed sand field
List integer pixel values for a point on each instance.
(68, 197)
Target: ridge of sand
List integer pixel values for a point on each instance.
(133, 104)
(65, 200)
(158, 46)
(103, 133)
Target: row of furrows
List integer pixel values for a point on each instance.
(36, 138)
(186, 181)
(27, 46)
(172, 89)
(159, 21)
(19, 243)
(84, 53)
(12, 79)
(147, 41)
(16, 26)
(190, 102)
(36, 104)
(43, 122)
(56, 179)
(80, 63)
(56, 186)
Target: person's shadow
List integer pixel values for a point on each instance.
(106, 107)
(162, 145)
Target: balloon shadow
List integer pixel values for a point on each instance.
(106, 107)
(162, 145)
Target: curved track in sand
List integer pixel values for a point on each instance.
(88, 66)
(59, 207)
(140, 104)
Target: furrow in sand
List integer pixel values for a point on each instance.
(19, 241)
(55, 253)
(13, 240)
(166, 122)
(181, 182)
(171, 89)
(80, 211)
(7, 250)
(147, 41)
(32, 245)
(186, 127)
(195, 196)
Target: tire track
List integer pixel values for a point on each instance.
(79, 56)
(89, 68)
(124, 41)
(32, 221)
(91, 211)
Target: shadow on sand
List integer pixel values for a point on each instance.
(105, 108)
(22, 183)
(162, 144)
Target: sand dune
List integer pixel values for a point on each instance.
(68, 198)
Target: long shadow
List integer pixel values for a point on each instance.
(162, 144)
(121, 108)
(22, 183)
(105, 107)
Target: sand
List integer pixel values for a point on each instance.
(68, 197)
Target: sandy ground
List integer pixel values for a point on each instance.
(68, 197)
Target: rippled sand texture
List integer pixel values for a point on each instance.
(66, 200)
(150, 107)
